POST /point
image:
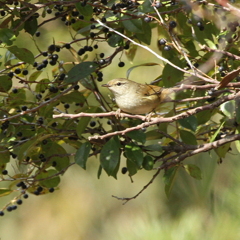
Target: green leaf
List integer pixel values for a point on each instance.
(188, 138)
(172, 75)
(31, 26)
(110, 156)
(33, 77)
(134, 153)
(137, 135)
(86, 10)
(49, 180)
(115, 40)
(237, 104)
(146, 7)
(169, 178)
(132, 167)
(82, 154)
(80, 71)
(55, 153)
(73, 97)
(5, 191)
(7, 36)
(146, 36)
(216, 133)
(222, 150)
(5, 83)
(83, 122)
(148, 163)
(189, 123)
(132, 25)
(193, 170)
(228, 108)
(22, 54)
(5, 157)
(153, 147)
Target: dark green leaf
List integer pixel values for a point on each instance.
(31, 26)
(5, 157)
(22, 54)
(82, 154)
(33, 77)
(132, 167)
(48, 178)
(169, 178)
(83, 122)
(110, 156)
(148, 163)
(146, 36)
(228, 108)
(134, 153)
(153, 147)
(189, 123)
(7, 36)
(86, 10)
(188, 138)
(73, 97)
(5, 191)
(193, 170)
(5, 83)
(115, 40)
(80, 71)
(132, 25)
(171, 75)
(137, 135)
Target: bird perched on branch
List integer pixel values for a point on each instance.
(135, 98)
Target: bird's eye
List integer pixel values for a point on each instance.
(119, 84)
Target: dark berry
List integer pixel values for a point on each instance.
(121, 64)
(162, 41)
(66, 106)
(51, 190)
(25, 196)
(17, 70)
(19, 134)
(126, 46)
(62, 76)
(92, 34)
(44, 54)
(4, 172)
(2, 13)
(36, 192)
(75, 13)
(54, 163)
(67, 46)
(49, 10)
(76, 87)
(40, 120)
(14, 207)
(167, 48)
(1, 213)
(172, 24)
(52, 48)
(54, 124)
(95, 46)
(81, 51)
(147, 19)
(101, 55)
(92, 124)
(124, 170)
(221, 68)
(15, 90)
(39, 189)
(100, 74)
(53, 89)
(25, 72)
(9, 208)
(81, 17)
(19, 201)
(93, 26)
(158, 4)
(10, 74)
(24, 108)
(102, 61)
(37, 34)
(44, 142)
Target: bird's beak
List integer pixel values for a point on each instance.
(105, 85)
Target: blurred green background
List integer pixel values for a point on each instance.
(84, 208)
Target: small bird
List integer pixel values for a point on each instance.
(135, 98)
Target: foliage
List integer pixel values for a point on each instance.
(197, 40)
